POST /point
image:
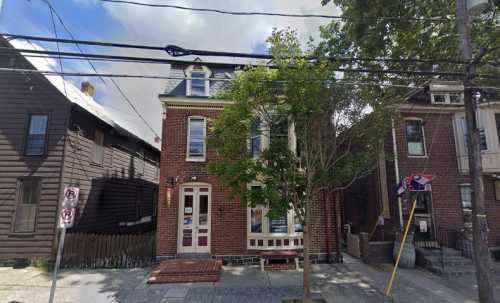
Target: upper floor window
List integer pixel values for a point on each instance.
(279, 130)
(415, 137)
(98, 147)
(197, 83)
(28, 197)
(482, 135)
(447, 98)
(196, 139)
(255, 138)
(36, 137)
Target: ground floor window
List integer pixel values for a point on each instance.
(265, 233)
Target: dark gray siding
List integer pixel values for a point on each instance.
(20, 95)
(117, 194)
(177, 87)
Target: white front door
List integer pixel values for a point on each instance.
(194, 219)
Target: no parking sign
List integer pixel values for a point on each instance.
(68, 209)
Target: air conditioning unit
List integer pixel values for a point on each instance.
(476, 7)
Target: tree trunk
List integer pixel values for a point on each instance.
(479, 228)
(307, 260)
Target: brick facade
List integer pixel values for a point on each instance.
(440, 161)
(228, 216)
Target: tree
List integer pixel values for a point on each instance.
(335, 136)
(412, 30)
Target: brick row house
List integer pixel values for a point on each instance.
(196, 214)
(430, 137)
(53, 135)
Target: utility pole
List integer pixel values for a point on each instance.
(479, 225)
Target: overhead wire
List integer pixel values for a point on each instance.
(119, 89)
(439, 19)
(177, 51)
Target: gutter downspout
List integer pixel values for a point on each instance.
(396, 172)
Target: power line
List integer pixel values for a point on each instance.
(158, 77)
(169, 61)
(241, 13)
(120, 91)
(177, 51)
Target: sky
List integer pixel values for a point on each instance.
(112, 22)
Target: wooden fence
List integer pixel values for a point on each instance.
(82, 250)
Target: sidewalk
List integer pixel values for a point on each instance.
(352, 281)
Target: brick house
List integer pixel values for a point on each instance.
(52, 135)
(195, 212)
(429, 137)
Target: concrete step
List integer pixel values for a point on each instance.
(456, 271)
(448, 261)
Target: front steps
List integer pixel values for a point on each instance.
(444, 262)
(186, 270)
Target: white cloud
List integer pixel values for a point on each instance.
(198, 30)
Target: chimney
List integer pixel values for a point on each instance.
(87, 88)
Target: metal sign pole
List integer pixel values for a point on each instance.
(56, 267)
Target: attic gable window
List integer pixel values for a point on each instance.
(197, 84)
(453, 98)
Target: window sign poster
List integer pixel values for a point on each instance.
(188, 210)
(188, 220)
(423, 226)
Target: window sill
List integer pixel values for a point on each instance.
(275, 235)
(418, 157)
(195, 159)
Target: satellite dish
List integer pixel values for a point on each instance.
(476, 7)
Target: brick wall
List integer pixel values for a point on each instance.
(229, 216)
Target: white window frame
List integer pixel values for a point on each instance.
(196, 158)
(193, 68)
(447, 98)
(425, 155)
(266, 222)
(265, 134)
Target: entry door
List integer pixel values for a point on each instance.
(194, 220)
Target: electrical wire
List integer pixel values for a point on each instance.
(159, 77)
(253, 13)
(169, 61)
(119, 89)
(177, 51)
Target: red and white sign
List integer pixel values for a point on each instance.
(68, 207)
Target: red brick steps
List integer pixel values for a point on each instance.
(183, 271)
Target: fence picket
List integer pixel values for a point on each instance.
(101, 251)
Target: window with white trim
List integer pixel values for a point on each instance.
(447, 98)
(255, 138)
(196, 146)
(259, 223)
(415, 137)
(197, 84)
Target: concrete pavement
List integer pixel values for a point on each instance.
(352, 281)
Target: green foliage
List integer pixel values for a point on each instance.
(404, 37)
(337, 139)
(42, 264)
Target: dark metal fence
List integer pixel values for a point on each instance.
(82, 250)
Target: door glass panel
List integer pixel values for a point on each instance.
(203, 217)
(187, 231)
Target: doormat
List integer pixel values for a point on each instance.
(183, 271)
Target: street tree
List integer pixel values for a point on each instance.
(296, 129)
(435, 33)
